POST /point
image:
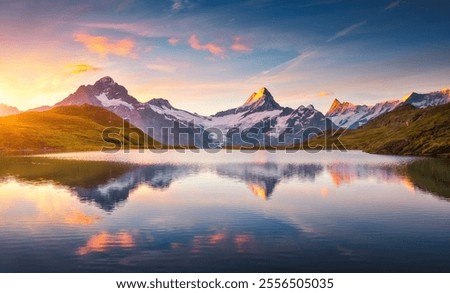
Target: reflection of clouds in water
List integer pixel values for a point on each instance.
(244, 243)
(241, 243)
(352, 254)
(105, 241)
(41, 204)
(79, 218)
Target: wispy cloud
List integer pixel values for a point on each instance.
(178, 5)
(80, 68)
(238, 46)
(142, 29)
(393, 4)
(347, 30)
(212, 48)
(104, 46)
(173, 41)
(165, 68)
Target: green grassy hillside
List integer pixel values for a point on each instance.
(404, 131)
(64, 129)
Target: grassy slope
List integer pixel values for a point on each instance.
(404, 131)
(72, 128)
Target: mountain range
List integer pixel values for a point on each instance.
(259, 121)
(350, 116)
(406, 130)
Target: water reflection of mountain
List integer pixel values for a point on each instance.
(345, 173)
(108, 184)
(262, 178)
(430, 175)
(116, 190)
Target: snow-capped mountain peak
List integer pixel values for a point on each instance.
(335, 107)
(428, 100)
(261, 100)
(260, 115)
(347, 115)
(344, 107)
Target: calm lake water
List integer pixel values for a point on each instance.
(224, 212)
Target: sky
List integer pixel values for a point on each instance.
(206, 56)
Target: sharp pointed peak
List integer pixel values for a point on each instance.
(263, 93)
(406, 97)
(337, 106)
(336, 101)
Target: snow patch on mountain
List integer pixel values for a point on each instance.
(428, 100)
(113, 102)
(347, 115)
(176, 114)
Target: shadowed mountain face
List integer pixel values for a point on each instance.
(108, 185)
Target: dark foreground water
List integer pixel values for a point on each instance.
(239, 212)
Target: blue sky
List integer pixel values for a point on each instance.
(206, 56)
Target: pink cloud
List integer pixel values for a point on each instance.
(240, 47)
(173, 41)
(212, 48)
(103, 45)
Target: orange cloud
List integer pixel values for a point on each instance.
(104, 241)
(104, 46)
(238, 46)
(325, 94)
(173, 41)
(80, 68)
(212, 48)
